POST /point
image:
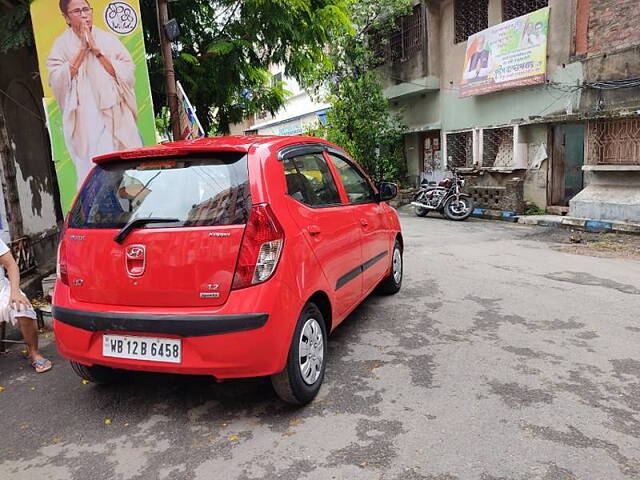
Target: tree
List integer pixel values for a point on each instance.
(361, 122)
(225, 48)
(360, 118)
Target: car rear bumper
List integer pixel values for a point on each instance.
(237, 340)
(182, 325)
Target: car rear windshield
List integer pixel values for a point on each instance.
(196, 191)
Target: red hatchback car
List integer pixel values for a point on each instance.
(231, 257)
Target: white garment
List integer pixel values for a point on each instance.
(7, 312)
(99, 111)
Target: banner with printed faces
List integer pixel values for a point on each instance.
(509, 55)
(96, 84)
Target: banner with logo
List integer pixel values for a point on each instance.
(512, 54)
(189, 123)
(95, 80)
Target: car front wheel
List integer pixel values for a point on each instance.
(392, 283)
(302, 377)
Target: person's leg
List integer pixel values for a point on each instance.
(30, 335)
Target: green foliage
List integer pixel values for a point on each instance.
(225, 48)
(15, 28)
(533, 209)
(361, 122)
(360, 119)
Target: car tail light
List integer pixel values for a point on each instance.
(61, 259)
(61, 264)
(261, 248)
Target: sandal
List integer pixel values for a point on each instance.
(41, 366)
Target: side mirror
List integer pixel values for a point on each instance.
(388, 191)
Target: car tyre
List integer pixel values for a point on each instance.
(302, 376)
(95, 374)
(393, 282)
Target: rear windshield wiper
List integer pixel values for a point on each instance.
(139, 222)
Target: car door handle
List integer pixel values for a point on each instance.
(313, 230)
(363, 222)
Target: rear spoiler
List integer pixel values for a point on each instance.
(175, 149)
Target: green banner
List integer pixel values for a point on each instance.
(95, 80)
(509, 55)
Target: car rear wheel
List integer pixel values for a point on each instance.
(95, 374)
(302, 377)
(392, 283)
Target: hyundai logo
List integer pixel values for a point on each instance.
(135, 252)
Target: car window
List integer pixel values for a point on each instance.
(356, 185)
(196, 191)
(309, 180)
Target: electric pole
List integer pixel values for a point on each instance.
(165, 43)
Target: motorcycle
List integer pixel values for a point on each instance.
(446, 198)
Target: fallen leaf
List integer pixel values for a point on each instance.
(1, 389)
(32, 388)
(107, 421)
(233, 438)
(126, 424)
(85, 382)
(57, 439)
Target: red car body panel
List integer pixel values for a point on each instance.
(322, 246)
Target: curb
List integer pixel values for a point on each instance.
(502, 215)
(555, 221)
(583, 224)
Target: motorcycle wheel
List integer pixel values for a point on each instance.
(420, 212)
(458, 210)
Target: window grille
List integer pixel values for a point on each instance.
(460, 149)
(471, 16)
(379, 46)
(516, 8)
(613, 142)
(406, 39)
(497, 147)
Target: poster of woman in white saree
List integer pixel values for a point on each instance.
(92, 76)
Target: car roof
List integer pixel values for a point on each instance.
(234, 143)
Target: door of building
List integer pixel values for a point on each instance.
(566, 163)
(430, 154)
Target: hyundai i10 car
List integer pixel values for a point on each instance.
(230, 257)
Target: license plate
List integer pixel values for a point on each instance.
(142, 348)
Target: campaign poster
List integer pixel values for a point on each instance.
(509, 55)
(94, 75)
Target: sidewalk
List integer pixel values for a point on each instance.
(559, 221)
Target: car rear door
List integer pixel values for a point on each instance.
(371, 218)
(329, 227)
(187, 261)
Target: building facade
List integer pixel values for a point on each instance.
(299, 113)
(570, 143)
(30, 210)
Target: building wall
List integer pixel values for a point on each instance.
(608, 47)
(297, 113)
(535, 177)
(509, 106)
(613, 25)
(29, 174)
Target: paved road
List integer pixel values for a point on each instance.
(502, 358)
